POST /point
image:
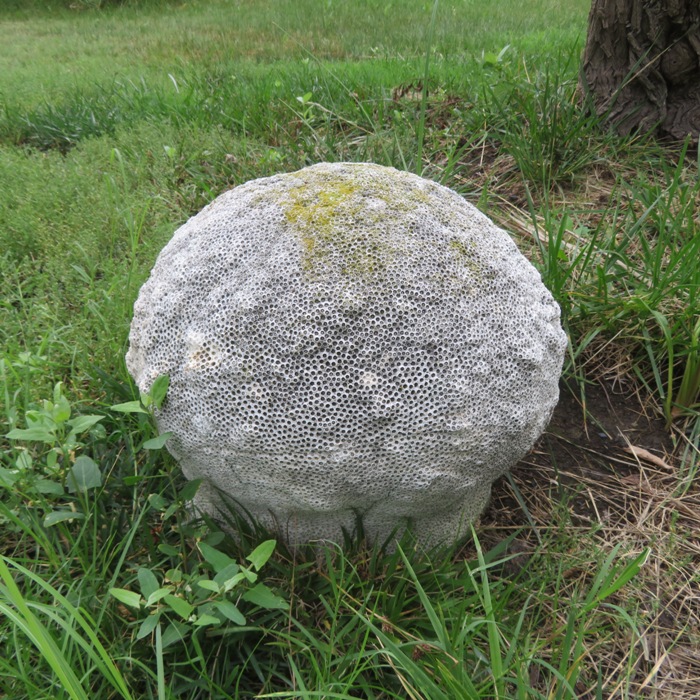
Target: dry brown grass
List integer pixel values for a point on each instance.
(610, 472)
(637, 491)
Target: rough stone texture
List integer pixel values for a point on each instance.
(348, 341)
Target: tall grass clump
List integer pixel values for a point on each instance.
(632, 270)
(539, 122)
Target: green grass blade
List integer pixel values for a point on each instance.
(615, 580)
(91, 644)
(494, 635)
(18, 611)
(437, 624)
(424, 94)
(160, 665)
(424, 685)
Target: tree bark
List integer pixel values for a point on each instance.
(641, 65)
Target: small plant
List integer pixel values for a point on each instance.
(48, 464)
(688, 393)
(55, 498)
(192, 596)
(207, 595)
(147, 401)
(307, 106)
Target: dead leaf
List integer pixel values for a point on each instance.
(641, 453)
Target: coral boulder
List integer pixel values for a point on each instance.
(347, 345)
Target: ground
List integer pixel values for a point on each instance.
(619, 469)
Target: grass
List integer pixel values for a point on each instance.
(581, 579)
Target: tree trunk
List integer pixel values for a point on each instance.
(641, 65)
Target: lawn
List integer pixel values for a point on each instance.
(120, 121)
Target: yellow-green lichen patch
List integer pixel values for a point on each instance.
(466, 255)
(316, 212)
(344, 217)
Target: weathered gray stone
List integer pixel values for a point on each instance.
(348, 341)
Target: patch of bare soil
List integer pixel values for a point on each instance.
(621, 476)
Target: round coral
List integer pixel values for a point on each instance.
(347, 344)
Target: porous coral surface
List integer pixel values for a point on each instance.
(347, 343)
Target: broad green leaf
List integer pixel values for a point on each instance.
(227, 573)
(59, 516)
(129, 407)
(61, 409)
(130, 598)
(171, 510)
(214, 538)
(261, 595)
(205, 620)
(147, 581)
(157, 442)
(156, 501)
(84, 475)
(189, 490)
(24, 460)
(250, 576)
(259, 556)
(48, 487)
(232, 582)
(229, 610)
(82, 423)
(174, 632)
(148, 625)
(179, 605)
(158, 594)
(8, 477)
(168, 549)
(98, 431)
(39, 419)
(160, 389)
(208, 585)
(174, 575)
(38, 434)
(217, 559)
